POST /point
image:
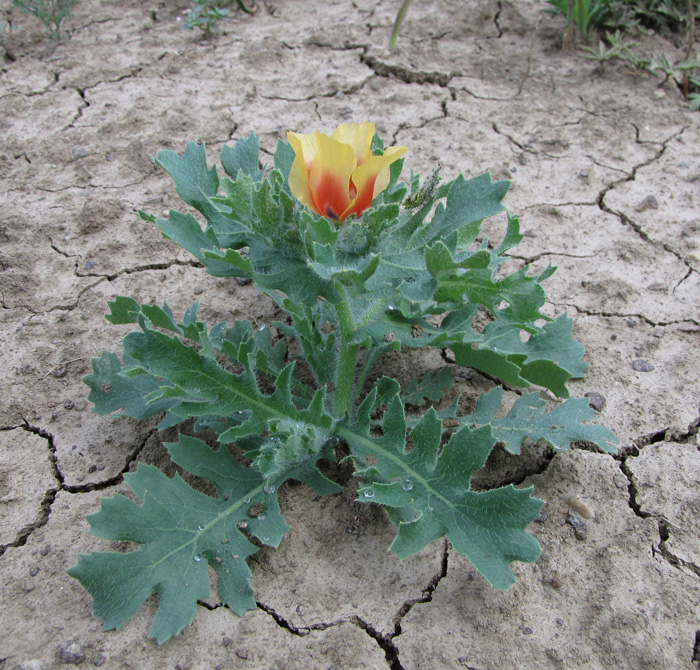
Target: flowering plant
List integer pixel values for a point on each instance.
(362, 264)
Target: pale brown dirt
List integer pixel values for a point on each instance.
(476, 85)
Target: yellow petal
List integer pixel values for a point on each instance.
(371, 178)
(329, 179)
(305, 149)
(358, 136)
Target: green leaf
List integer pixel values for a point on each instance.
(469, 202)
(433, 487)
(111, 392)
(196, 184)
(194, 180)
(527, 419)
(181, 530)
(550, 357)
(284, 157)
(433, 387)
(244, 157)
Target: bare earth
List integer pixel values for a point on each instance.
(606, 178)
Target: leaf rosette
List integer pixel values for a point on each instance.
(361, 264)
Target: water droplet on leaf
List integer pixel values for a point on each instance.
(242, 524)
(406, 484)
(197, 559)
(269, 489)
(369, 493)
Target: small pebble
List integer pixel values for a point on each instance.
(621, 481)
(580, 507)
(640, 365)
(100, 660)
(68, 404)
(199, 290)
(34, 664)
(242, 653)
(227, 641)
(70, 652)
(578, 524)
(527, 630)
(595, 400)
(243, 281)
(60, 371)
(80, 152)
(45, 549)
(33, 571)
(683, 165)
(657, 286)
(92, 468)
(80, 405)
(648, 203)
(631, 323)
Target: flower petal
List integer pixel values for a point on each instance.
(329, 178)
(305, 149)
(371, 178)
(358, 136)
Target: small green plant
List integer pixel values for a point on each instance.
(586, 15)
(206, 14)
(52, 13)
(656, 64)
(397, 23)
(360, 264)
(654, 14)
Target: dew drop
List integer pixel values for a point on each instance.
(369, 493)
(196, 558)
(261, 327)
(262, 517)
(246, 500)
(266, 539)
(269, 489)
(406, 484)
(242, 524)
(200, 528)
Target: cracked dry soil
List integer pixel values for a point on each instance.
(606, 178)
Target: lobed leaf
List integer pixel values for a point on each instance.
(429, 490)
(181, 531)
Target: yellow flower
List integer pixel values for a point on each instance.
(338, 176)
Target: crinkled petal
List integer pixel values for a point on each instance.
(371, 178)
(305, 151)
(329, 179)
(358, 136)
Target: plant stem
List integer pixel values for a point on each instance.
(691, 41)
(347, 359)
(397, 23)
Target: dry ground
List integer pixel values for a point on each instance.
(606, 178)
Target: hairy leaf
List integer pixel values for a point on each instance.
(432, 387)
(433, 486)
(527, 419)
(181, 530)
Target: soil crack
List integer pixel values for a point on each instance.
(406, 74)
(427, 592)
(50, 495)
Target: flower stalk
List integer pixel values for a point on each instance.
(347, 358)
